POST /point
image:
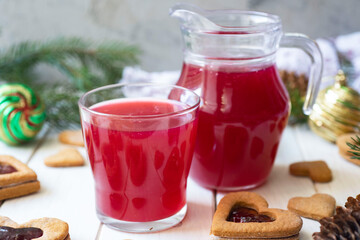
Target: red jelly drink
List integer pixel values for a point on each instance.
(244, 112)
(140, 156)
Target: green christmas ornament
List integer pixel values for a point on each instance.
(22, 113)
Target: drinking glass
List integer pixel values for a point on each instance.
(140, 141)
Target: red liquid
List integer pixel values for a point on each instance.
(243, 115)
(140, 167)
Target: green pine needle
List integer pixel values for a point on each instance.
(355, 147)
(297, 101)
(84, 64)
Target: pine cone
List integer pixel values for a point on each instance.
(296, 86)
(293, 81)
(344, 225)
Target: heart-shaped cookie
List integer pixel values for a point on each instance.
(318, 171)
(280, 223)
(68, 157)
(16, 178)
(51, 228)
(315, 207)
(72, 137)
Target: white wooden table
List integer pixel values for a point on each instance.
(68, 194)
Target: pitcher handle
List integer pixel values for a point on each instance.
(310, 47)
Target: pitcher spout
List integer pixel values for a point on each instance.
(192, 17)
(226, 34)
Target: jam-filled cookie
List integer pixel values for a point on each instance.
(39, 229)
(16, 178)
(245, 215)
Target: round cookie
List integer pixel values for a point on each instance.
(349, 158)
(344, 149)
(342, 140)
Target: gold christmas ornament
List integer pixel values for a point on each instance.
(336, 111)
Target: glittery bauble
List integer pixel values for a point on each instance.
(336, 111)
(22, 113)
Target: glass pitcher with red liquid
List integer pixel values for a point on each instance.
(229, 60)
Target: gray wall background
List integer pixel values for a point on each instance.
(146, 22)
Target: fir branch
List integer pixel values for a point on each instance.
(61, 104)
(355, 147)
(297, 101)
(81, 61)
(84, 64)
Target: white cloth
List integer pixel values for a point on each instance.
(136, 74)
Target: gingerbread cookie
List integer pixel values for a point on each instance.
(39, 229)
(68, 157)
(315, 207)
(344, 149)
(72, 137)
(245, 215)
(318, 171)
(16, 178)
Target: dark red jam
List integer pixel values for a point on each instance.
(9, 233)
(4, 169)
(241, 214)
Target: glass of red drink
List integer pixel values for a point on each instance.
(140, 140)
(229, 60)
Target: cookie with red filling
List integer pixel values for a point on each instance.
(245, 215)
(39, 229)
(16, 178)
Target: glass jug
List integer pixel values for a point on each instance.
(229, 60)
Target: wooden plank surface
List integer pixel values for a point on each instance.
(25, 151)
(68, 194)
(346, 175)
(281, 186)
